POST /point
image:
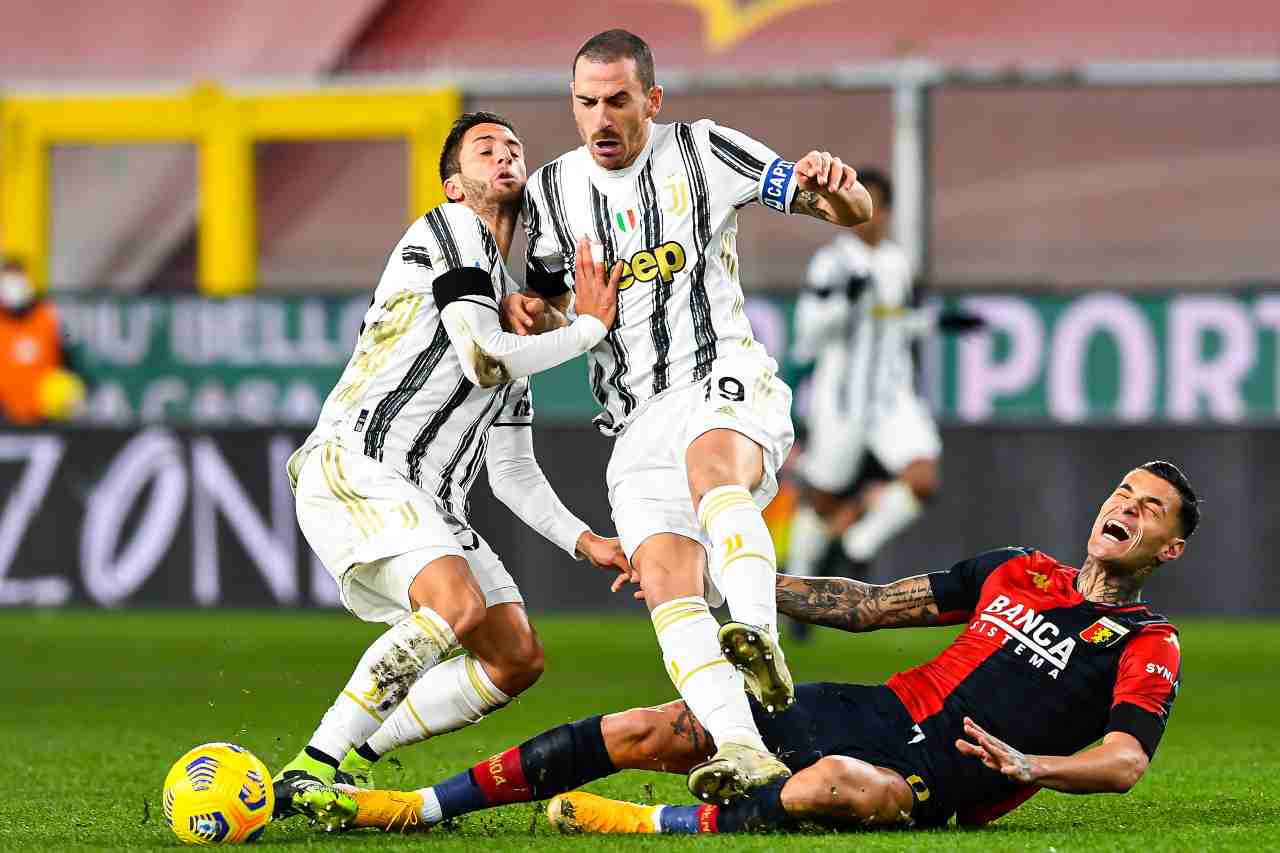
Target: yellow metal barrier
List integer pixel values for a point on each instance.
(224, 126)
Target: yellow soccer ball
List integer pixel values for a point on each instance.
(218, 793)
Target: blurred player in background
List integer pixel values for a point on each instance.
(1052, 659)
(870, 462)
(434, 392)
(35, 384)
(702, 421)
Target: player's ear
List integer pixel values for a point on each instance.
(1172, 550)
(453, 189)
(653, 102)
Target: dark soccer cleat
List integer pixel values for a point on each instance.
(291, 784)
(758, 656)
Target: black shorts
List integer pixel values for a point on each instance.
(867, 722)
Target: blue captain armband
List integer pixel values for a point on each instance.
(778, 185)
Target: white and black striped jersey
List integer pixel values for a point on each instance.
(403, 398)
(672, 217)
(855, 317)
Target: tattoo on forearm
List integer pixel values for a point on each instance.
(687, 727)
(856, 606)
(808, 202)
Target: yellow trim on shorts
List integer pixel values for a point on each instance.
(354, 698)
(366, 518)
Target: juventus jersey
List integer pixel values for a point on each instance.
(864, 362)
(403, 398)
(672, 218)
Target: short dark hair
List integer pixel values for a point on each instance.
(1189, 515)
(450, 163)
(871, 176)
(612, 45)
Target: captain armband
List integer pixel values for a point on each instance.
(778, 185)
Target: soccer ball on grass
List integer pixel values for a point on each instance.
(218, 793)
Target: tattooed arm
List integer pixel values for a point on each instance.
(827, 189)
(856, 606)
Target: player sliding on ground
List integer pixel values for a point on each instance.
(434, 392)
(702, 422)
(1051, 659)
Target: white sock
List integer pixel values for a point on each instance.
(895, 508)
(808, 541)
(743, 562)
(453, 695)
(431, 813)
(709, 684)
(382, 679)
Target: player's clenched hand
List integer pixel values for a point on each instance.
(593, 294)
(605, 552)
(521, 314)
(823, 173)
(995, 753)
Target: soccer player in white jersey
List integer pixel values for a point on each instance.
(855, 319)
(702, 421)
(434, 391)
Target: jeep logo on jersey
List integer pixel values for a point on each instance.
(1031, 632)
(647, 264)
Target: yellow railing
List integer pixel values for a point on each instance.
(224, 126)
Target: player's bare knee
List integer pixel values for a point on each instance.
(849, 791)
(520, 665)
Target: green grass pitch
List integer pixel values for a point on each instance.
(96, 706)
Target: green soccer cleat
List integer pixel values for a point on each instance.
(732, 771)
(327, 807)
(356, 770)
(297, 777)
(758, 656)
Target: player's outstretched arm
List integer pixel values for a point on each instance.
(1112, 767)
(517, 480)
(827, 189)
(852, 605)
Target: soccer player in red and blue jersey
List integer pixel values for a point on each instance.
(1051, 659)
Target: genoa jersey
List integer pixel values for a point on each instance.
(672, 217)
(403, 398)
(1039, 667)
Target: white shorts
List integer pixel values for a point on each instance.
(898, 435)
(647, 476)
(374, 531)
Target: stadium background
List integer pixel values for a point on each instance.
(1100, 181)
(1105, 194)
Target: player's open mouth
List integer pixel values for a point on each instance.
(608, 147)
(1115, 531)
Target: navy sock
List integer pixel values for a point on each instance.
(551, 763)
(760, 809)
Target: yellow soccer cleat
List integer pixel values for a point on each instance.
(732, 771)
(393, 811)
(577, 812)
(347, 807)
(759, 658)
